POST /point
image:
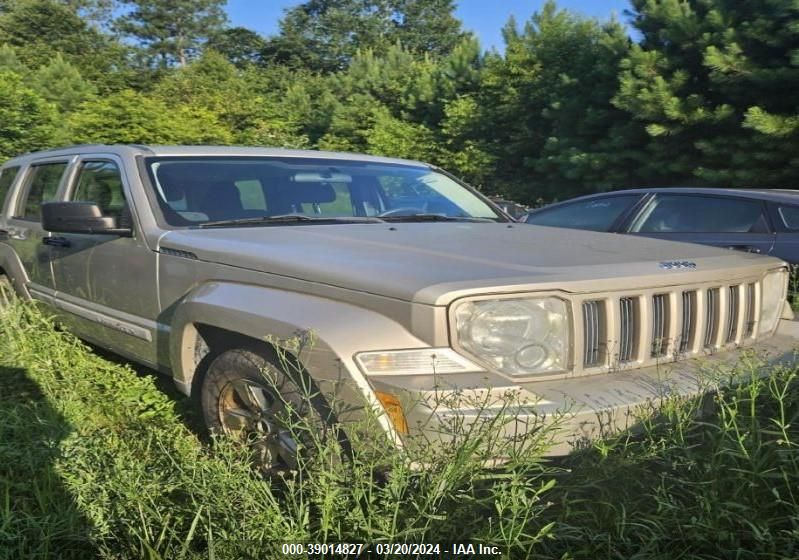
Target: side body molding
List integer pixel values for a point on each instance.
(334, 332)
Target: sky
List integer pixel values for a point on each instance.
(485, 17)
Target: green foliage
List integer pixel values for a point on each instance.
(545, 109)
(130, 117)
(61, 83)
(172, 30)
(325, 35)
(572, 106)
(27, 121)
(238, 45)
(709, 82)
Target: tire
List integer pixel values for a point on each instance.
(248, 395)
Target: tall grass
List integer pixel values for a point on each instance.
(97, 461)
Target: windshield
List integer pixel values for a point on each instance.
(239, 190)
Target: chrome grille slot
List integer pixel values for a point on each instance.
(628, 333)
(711, 316)
(593, 332)
(660, 324)
(732, 313)
(688, 321)
(749, 311)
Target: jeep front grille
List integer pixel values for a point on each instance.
(686, 339)
(628, 319)
(711, 316)
(732, 313)
(750, 316)
(593, 332)
(660, 324)
(643, 327)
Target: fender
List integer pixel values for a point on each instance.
(9, 261)
(336, 330)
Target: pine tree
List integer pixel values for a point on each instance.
(714, 83)
(325, 35)
(60, 83)
(172, 30)
(544, 109)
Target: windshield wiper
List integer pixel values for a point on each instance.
(289, 218)
(434, 218)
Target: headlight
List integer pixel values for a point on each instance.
(516, 336)
(775, 287)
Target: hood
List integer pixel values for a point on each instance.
(434, 263)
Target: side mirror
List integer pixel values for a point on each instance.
(79, 217)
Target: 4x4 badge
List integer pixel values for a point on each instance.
(676, 265)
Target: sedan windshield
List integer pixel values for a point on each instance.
(247, 191)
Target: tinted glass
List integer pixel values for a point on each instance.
(701, 214)
(42, 186)
(596, 214)
(6, 179)
(790, 216)
(101, 182)
(193, 190)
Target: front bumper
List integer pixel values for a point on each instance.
(580, 408)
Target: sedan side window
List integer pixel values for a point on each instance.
(789, 216)
(595, 214)
(668, 213)
(101, 182)
(42, 186)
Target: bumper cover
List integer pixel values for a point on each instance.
(584, 408)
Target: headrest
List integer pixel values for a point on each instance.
(314, 193)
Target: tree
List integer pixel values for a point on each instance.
(131, 117)
(709, 81)
(239, 45)
(544, 112)
(39, 30)
(325, 35)
(26, 120)
(61, 84)
(172, 30)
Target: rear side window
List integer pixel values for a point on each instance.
(7, 177)
(668, 213)
(101, 182)
(595, 214)
(42, 186)
(790, 216)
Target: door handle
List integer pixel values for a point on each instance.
(746, 248)
(57, 241)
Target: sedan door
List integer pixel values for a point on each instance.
(785, 217)
(723, 221)
(594, 213)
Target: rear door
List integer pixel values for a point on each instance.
(785, 217)
(723, 221)
(41, 183)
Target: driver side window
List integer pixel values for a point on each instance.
(101, 182)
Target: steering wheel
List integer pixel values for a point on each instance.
(401, 211)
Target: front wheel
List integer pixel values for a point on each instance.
(248, 395)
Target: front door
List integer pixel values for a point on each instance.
(107, 283)
(723, 221)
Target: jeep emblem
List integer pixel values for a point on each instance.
(677, 265)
